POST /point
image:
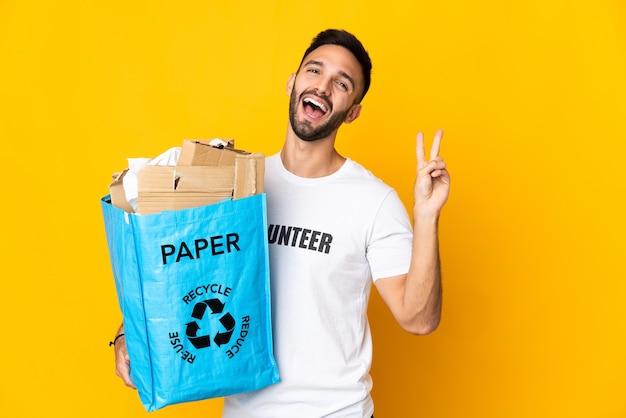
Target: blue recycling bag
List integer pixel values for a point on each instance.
(193, 286)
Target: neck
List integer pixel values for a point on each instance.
(310, 159)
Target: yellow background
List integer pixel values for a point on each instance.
(531, 94)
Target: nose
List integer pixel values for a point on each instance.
(323, 86)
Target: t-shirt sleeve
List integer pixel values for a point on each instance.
(391, 242)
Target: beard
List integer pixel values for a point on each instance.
(304, 130)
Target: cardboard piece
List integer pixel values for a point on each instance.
(204, 175)
(116, 190)
(200, 152)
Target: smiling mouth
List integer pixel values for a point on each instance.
(314, 108)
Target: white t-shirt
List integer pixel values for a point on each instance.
(329, 237)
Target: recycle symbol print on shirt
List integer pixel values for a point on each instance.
(209, 309)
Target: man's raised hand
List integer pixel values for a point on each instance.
(432, 184)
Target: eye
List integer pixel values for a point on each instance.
(343, 85)
(313, 71)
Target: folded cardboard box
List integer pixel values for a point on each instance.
(204, 175)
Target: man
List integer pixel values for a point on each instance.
(333, 229)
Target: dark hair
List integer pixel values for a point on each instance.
(352, 44)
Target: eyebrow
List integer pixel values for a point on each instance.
(342, 73)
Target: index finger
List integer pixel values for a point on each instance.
(420, 149)
(434, 149)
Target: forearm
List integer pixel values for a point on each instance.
(118, 335)
(423, 289)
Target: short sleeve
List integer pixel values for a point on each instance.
(390, 245)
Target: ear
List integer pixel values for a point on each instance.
(353, 113)
(290, 83)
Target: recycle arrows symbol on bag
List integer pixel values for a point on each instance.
(227, 321)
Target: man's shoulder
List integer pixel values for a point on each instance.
(357, 172)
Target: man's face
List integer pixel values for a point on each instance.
(324, 92)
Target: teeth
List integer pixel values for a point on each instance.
(316, 103)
